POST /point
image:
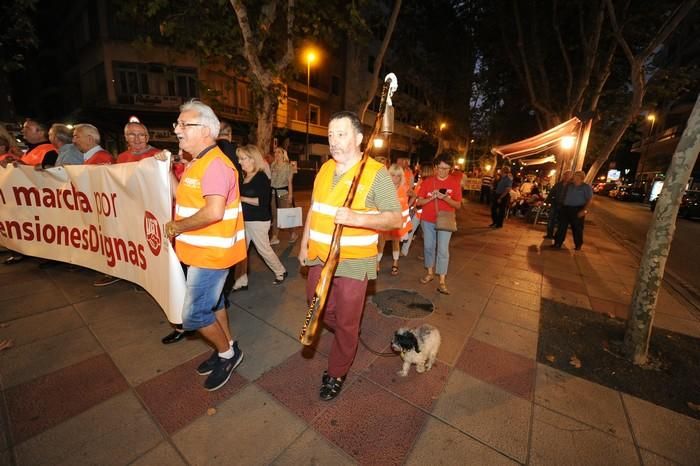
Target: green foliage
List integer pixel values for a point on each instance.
(17, 35)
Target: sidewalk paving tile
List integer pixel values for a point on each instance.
(44, 402)
(518, 284)
(684, 326)
(486, 413)
(564, 284)
(44, 356)
(504, 369)
(312, 449)
(442, 444)
(162, 454)
(249, 428)
(126, 305)
(607, 289)
(420, 390)
(609, 308)
(559, 440)
(36, 303)
(177, 397)
(506, 336)
(26, 284)
(662, 431)
(582, 400)
(117, 431)
(39, 326)
(267, 345)
(570, 298)
(508, 313)
(356, 422)
(519, 298)
(652, 459)
(524, 275)
(295, 384)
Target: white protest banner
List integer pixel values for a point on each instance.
(106, 217)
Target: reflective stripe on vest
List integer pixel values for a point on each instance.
(356, 243)
(184, 212)
(216, 246)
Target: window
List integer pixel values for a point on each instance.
(242, 94)
(314, 114)
(131, 79)
(293, 109)
(335, 85)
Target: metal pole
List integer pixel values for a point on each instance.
(308, 106)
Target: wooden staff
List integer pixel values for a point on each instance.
(318, 303)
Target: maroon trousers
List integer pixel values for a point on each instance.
(343, 314)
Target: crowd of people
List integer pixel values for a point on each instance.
(226, 197)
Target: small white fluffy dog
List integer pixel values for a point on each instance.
(417, 346)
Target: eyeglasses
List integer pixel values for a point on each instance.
(136, 135)
(183, 124)
(443, 168)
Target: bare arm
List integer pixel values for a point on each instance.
(382, 221)
(304, 243)
(212, 212)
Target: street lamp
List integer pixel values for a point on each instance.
(310, 57)
(642, 158)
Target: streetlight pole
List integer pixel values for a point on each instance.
(643, 155)
(310, 56)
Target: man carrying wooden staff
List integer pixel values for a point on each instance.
(375, 207)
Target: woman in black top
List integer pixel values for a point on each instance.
(255, 201)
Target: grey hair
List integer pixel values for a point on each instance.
(89, 129)
(207, 117)
(137, 123)
(62, 132)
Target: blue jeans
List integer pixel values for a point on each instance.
(431, 236)
(203, 296)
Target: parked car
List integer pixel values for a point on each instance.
(606, 188)
(629, 193)
(690, 205)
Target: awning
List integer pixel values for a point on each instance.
(540, 143)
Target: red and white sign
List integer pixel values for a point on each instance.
(105, 217)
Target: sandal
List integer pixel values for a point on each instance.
(427, 279)
(330, 386)
(442, 288)
(394, 270)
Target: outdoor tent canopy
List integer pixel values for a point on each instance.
(537, 144)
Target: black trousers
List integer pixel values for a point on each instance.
(498, 209)
(485, 196)
(568, 216)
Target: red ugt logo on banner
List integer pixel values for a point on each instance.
(152, 229)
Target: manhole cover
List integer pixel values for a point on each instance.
(402, 303)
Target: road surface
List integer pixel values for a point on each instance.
(630, 220)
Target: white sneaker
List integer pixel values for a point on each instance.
(274, 241)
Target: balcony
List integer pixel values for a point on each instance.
(149, 100)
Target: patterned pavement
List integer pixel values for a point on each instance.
(88, 381)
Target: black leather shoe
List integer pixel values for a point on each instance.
(174, 337)
(279, 280)
(330, 386)
(242, 288)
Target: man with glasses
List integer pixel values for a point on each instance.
(137, 148)
(209, 237)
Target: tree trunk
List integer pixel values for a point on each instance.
(267, 113)
(658, 242)
(372, 91)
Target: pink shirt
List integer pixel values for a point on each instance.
(220, 180)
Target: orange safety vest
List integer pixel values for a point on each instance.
(406, 224)
(355, 243)
(101, 157)
(408, 176)
(128, 156)
(216, 246)
(36, 155)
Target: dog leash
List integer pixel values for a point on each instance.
(385, 355)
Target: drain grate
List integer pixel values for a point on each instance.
(402, 303)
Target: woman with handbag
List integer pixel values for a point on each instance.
(255, 202)
(282, 173)
(439, 196)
